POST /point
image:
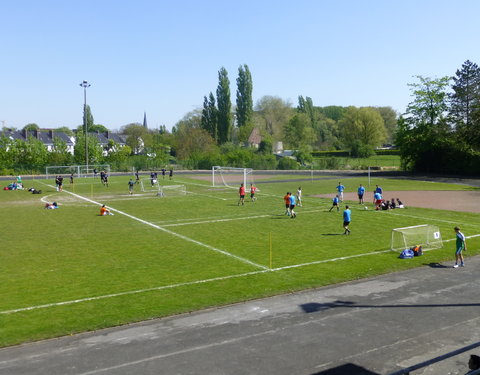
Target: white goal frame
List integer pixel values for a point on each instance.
(77, 170)
(431, 238)
(146, 185)
(171, 190)
(245, 173)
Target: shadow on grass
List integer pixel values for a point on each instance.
(332, 234)
(347, 369)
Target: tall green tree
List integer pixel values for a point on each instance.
(244, 96)
(390, 119)
(274, 115)
(362, 130)
(87, 115)
(465, 103)
(298, 131)
(210, 116)
(429, 103)
(138, 137)
(224, 106)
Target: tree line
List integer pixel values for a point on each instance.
(440, 130)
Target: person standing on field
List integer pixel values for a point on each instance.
(293, 215)
(334, 204)
(340, 189)
(347, 216)
(286, 199)
(253, 189)
(130, 186)
(460, 245)
(241, 193)
(361, 193)
(299, 196)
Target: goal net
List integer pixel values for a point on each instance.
(231, 177)
(172, 190)
(426, 235)
(149, 185)
(76, 170)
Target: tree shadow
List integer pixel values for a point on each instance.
(436, 265)
(347, 369)
(312, 307)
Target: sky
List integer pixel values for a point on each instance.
(162, 57)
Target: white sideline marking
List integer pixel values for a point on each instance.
(430, 218)
(172, 233)
(80, 300)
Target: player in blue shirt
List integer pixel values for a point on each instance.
(334, 204)
(347, 215)
(379, 190)
(293, 215)
(340, 189)
(361, 192)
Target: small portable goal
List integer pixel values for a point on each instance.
(426, 235)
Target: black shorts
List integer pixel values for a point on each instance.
(346, 223)
(252, 195)
(360, 196)
(242, 196)
(292, 206)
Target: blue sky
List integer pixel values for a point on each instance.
(163, 57)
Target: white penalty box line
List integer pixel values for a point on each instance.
(197, 282)
(243, 260)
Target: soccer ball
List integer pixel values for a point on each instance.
(365, 208)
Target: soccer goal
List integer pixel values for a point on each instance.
(76, 170)
(149, 185)
(426, 235)
(172, 190)
(229, 176)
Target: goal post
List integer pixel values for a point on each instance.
(426, 235)
(228, 176)
(76, 170)
(172, 190)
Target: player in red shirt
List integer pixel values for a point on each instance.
(241, 192)
(253, 189)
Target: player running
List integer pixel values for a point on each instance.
(292, 199)
(286, 199)
(241, 192)
(347, 216)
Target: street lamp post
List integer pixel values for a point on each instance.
(85, 84)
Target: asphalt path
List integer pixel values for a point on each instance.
(371, 326)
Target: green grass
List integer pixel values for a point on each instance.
(178, 254)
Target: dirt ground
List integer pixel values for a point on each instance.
(465, 201)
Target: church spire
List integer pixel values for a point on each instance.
(145, 120)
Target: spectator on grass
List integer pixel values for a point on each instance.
(51, 206)
(473, 363)
(104, 211)
(392, 204)
(399, 203)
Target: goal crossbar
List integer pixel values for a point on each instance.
(242, 173)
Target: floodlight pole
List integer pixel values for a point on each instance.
(85, 84)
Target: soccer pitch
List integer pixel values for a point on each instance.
(70, 270)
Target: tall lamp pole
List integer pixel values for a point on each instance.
(85, 84)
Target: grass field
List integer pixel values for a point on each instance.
(69, 270)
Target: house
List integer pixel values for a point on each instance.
(46, 136)
(255, 138)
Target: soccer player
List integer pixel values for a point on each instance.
(361, 193)
(347, 216)
(253, 189)
(293, 215)
(377, 199)
(334, 204)
(378, 190)
(241, 192)
(137, 177)
(299, 196)
(340, 189)
(460, 245)
(170, 175)
(130, 186)
(71, 179)
(60, 183)
(286, 199)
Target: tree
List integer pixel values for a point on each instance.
(224, 106)
(298, 131)
(390, 121)
(306, 106)
(465, 103)
(430, 101)
(31, 126)
(209, 120)
(87, 114)
(362, 130)
(274, 113)
(66, 130)
(244, 96)
(137, 137)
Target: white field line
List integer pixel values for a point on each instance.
(171, 233)
(159, 288)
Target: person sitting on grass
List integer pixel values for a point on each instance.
(399, 203)
(104, 211)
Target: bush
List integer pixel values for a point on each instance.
(287, 164)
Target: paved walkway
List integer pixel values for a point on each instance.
(372, 326)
